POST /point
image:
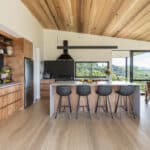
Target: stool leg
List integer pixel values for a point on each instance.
(88, 107)
(97, 104)
(58, 107)
(69, 102)
(106, 105)
(131, 105)
(126, 104)
(116, 107)
(110, 106)
(69, 107)
(78, 104)
(60, 104)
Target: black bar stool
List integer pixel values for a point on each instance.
(63, 91)
(83, 90)
(124, 91)
(104, 90)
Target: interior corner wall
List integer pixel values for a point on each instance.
(16, 19)
(53, 38)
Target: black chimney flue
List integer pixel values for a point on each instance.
(65, 55)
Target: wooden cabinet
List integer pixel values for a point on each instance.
(11, 100)
(45, 87)
(22, 49)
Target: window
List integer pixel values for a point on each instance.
(120, 68)
(140, 68)
(91, 69)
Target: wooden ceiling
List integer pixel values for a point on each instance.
(116, 18)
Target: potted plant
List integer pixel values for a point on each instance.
(5, 74)
(108, 73)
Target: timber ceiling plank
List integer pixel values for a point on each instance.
(140, 20)
(56, 13)
(103, 14)
(74, 6)
(116, 18)
(47, 11)
(38, 12)
(125, 14)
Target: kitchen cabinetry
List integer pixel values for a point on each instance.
(11, 99)
(45, 87)
(22, 49)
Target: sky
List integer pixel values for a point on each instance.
(142, 60)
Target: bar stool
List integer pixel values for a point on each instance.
(124, 91)
(105, 91)
(63, 91)
(83, 90)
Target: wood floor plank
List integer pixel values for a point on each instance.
(32, 129)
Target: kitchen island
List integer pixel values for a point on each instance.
(93, 96)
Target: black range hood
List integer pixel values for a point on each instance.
(65, 47)
(65, 55)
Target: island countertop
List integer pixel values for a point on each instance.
(111, 83)
(9, 84)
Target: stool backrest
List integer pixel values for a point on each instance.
(127, 90)
(83, 90)
(104, 90)
(63, 90)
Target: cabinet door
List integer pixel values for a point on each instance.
(28, 49)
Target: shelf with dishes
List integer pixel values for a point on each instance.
(6, 45)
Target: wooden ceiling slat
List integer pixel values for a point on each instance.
(116, 18)
(86, 7)
(80, 15)
(96, 15)
(37, 12)
(103, 14)
(74, 7)
(54, 8)
(108, 13)
(139, 20)
(145, 35)
(141, 30)
(125, 14)
(47, 11)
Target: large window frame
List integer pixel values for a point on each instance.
(132, 65)
(108, 66)
(125, 59)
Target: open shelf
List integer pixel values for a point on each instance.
(5, 44)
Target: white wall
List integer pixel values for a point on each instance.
(52, 38)
(17, 20)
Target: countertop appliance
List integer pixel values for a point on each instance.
(29, 96)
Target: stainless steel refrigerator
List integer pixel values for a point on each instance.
(28, 89)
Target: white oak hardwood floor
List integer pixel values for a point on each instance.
(32, 129)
